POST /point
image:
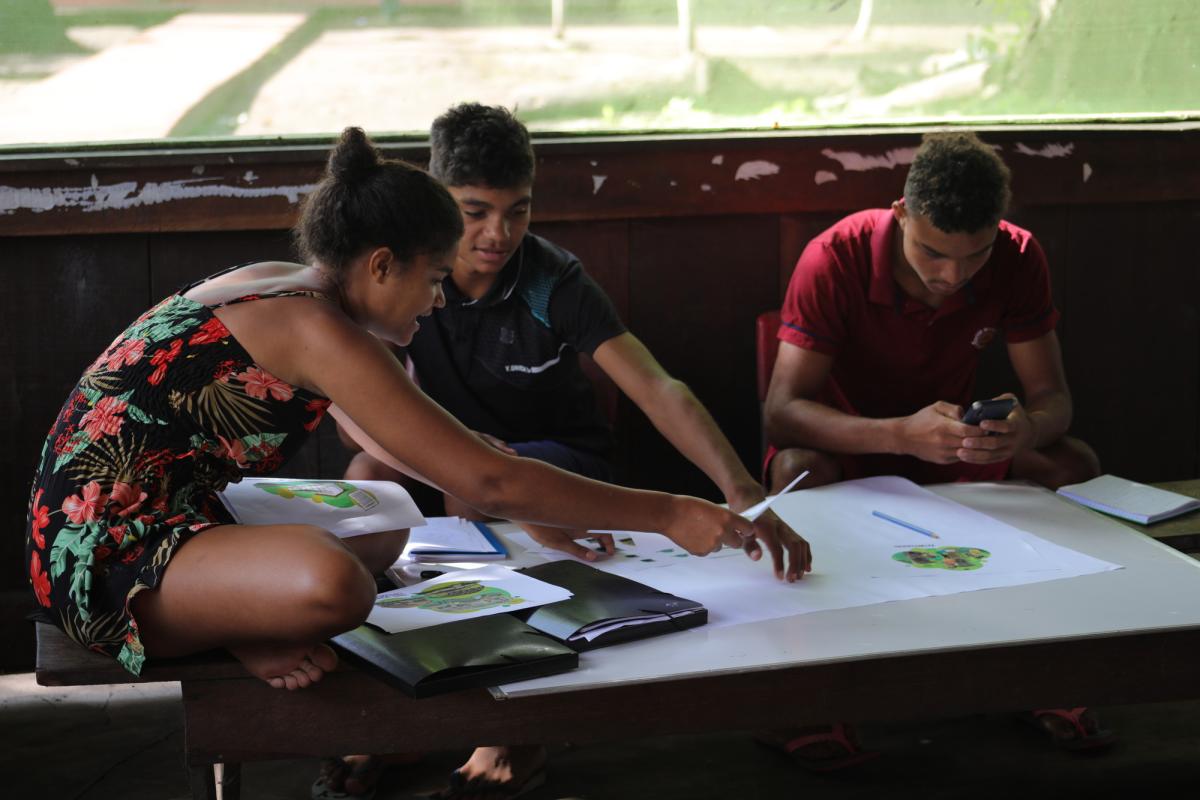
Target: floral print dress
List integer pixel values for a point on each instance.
(170, 413)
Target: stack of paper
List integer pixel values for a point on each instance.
(443, 539)
(1129, 500)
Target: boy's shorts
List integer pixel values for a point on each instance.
(581, 462)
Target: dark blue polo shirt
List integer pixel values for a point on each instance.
(507, 364)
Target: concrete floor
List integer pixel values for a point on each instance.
(88, 743)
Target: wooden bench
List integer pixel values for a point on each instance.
(62, 662)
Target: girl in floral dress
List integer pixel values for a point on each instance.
(128, 549)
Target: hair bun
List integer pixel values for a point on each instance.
(354, 157)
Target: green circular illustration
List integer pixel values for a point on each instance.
(454, 597)
(959, 559)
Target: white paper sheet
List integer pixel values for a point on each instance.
(854, 553)
(460, 595)
(344, 508)
(758, 509)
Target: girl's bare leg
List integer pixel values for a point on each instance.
(270, 594)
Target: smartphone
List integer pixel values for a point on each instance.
(988, 409)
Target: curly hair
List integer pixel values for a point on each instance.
(477, 145)
(365, 200)
(957, 182)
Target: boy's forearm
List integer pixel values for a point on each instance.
(816, 426)
(1050, 414)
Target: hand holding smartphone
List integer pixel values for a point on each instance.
(988, 409)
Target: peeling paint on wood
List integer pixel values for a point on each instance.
(132, 194)
(753, 170)
(857, 162)
(1048, 150)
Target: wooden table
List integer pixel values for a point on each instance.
(232, 718)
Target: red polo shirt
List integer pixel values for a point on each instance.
(894, 355)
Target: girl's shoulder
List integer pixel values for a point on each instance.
(258, 280)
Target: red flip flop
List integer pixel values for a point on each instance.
(1081, 732)
(828, 750)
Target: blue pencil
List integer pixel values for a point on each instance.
(904, 524)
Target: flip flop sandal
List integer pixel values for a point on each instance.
(1085, 731)
(335, 772)
(844, 753)
(461, 788)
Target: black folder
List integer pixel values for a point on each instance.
(631, 610)
(471, 653)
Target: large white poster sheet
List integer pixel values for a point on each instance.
(918, 545)
(462, 594)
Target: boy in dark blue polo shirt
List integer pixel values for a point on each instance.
(502, 356)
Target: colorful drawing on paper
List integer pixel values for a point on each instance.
(628, 541)
(959, 559)
(454, 597)
(338, 494)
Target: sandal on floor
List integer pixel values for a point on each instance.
(1074, 729)
(461, 788)
(824, 751)
(330, 784)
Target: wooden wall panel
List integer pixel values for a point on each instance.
(1133, 294)
(253, 186)
(695, 291)
(64, 301)
(177, 259)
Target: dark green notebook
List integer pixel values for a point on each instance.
(468, 654)
(607, 609)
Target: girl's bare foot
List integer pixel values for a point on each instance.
(287, 667)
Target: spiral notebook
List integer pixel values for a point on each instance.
(1129, 500)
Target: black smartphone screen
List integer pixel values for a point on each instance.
(988, 409)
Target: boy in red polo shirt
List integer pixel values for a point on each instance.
(885, 320)
(882, 329)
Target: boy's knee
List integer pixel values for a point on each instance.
(365, 467)
(1076, 461)
(787, 464)
(1069, 460)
